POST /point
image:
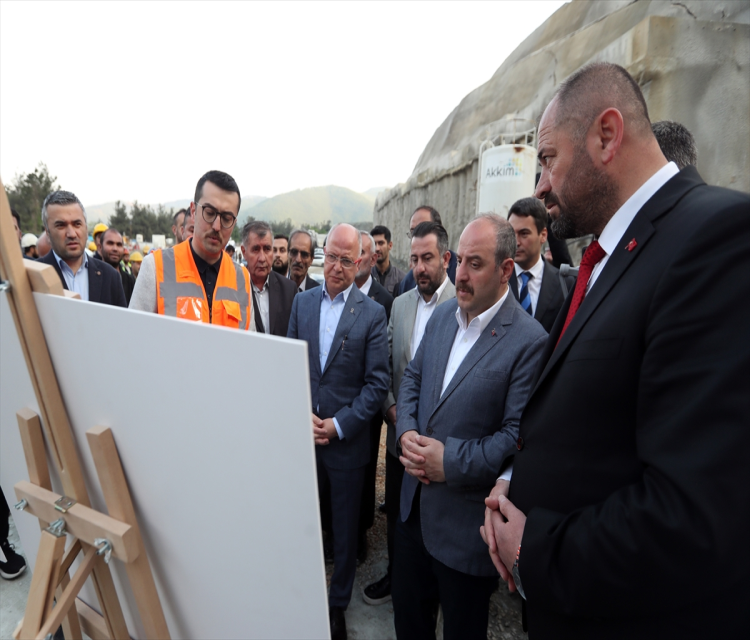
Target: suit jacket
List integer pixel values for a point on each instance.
(128, 283)
(400, 330)
(354, 380)
(105, 284)
(476, 419)
(550, 295)
(633, 465)
(310, 283)
(281, 292)
(408, 283)
(381, 296)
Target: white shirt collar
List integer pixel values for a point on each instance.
(435, 296)
(535, 271)
(345, 293)
(61, 262)
(265, 284)
(619, 223)
(365, 288)
(483, 319)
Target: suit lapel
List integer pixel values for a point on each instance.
(410, 317)
(259, 326)
(313, 341)
(95, 281)
(352, 309)
(641, 229)
(546, 292)
(490, 337)
(513, 283)
(274, 300)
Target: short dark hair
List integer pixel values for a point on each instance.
(176, 215)
(63, 198)
(505, 236)
(313, 239)
(109, 230)
(229, 249)
(676, 142)
(594, 88)
(438, 230)
(434, 215)
(258, 227)
(14, 213)
(224, 181)
(530, 207)
(381, 230)
(281, 236)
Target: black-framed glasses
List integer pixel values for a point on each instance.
(305, 255)
(344, 262)
(210, 213)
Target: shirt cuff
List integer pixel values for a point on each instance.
(507, 474)
(338, 429)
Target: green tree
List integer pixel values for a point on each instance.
(285, 227)
(27, 192)
(120, 220)
(144, 221)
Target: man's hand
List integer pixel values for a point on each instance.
(412, 459)
(323, 430)
(432, 451)
(508, 524)
(487, 531)
(391, 414)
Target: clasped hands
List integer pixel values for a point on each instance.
(422, 457)
(502, 530)
(323, 430)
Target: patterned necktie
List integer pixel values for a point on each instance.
(590, 259)
(525, 296)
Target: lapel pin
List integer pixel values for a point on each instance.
(631, 245)
(493, 332)
(98, 273)
(351, 310)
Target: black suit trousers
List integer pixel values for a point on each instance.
(419, 579)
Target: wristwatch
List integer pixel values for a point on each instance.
(517, 576)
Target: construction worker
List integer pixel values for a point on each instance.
(135, 263)
(99, 229)
(197, 280)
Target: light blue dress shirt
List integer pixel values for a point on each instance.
(330, 314)
(79, 281)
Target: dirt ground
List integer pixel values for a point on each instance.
(505, 608)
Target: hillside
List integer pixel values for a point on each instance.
(313, 205)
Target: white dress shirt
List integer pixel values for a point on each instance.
(535, 283)
(262, 296)
(78, 281)
(466, 338)
(612, 236)
(330, 314)
(365, 288)
(424, 313)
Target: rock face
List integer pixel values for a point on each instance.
(691, 59)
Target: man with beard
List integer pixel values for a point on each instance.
(188, 226)
(64, 220)
(302, 246)
(458, 409)
(112, 251)
(387, 274)
(280, 254)
(631, 474)
(197, 280)
(177, 221)
(429, 259)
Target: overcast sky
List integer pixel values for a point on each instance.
(136, 100)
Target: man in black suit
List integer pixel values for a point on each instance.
(540, 292)
(64, 219)
(112, 251)
(631, 483)
(272, 294)
(302, 247)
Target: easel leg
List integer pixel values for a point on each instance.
(43, 583)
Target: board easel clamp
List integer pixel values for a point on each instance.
(96, 535)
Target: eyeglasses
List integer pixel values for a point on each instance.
(345, 262)
(305, 255)
(209, 215)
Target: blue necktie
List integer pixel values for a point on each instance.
(525, 296)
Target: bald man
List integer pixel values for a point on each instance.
(347, 341)
(628, 509)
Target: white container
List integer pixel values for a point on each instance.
(506, 173)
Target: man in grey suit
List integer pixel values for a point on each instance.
(535, 282)
(409, 315)
(458, 411)
(348, 352)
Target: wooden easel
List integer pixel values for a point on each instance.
(96, 535)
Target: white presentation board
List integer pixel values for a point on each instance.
(219, 458)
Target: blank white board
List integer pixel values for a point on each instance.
(213, 429)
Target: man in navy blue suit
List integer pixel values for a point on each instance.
(64, 219)
(347, 341)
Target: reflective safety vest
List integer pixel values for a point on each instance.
(180, 291)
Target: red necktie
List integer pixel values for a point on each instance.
(590, 259)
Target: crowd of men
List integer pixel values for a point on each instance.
(583, 438)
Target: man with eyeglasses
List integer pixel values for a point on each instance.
(197, 280)
(349, 374)
(302, 245)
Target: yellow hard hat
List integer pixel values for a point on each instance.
(136, 257)
(146, 248)
(100, 228)
(92, 246)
